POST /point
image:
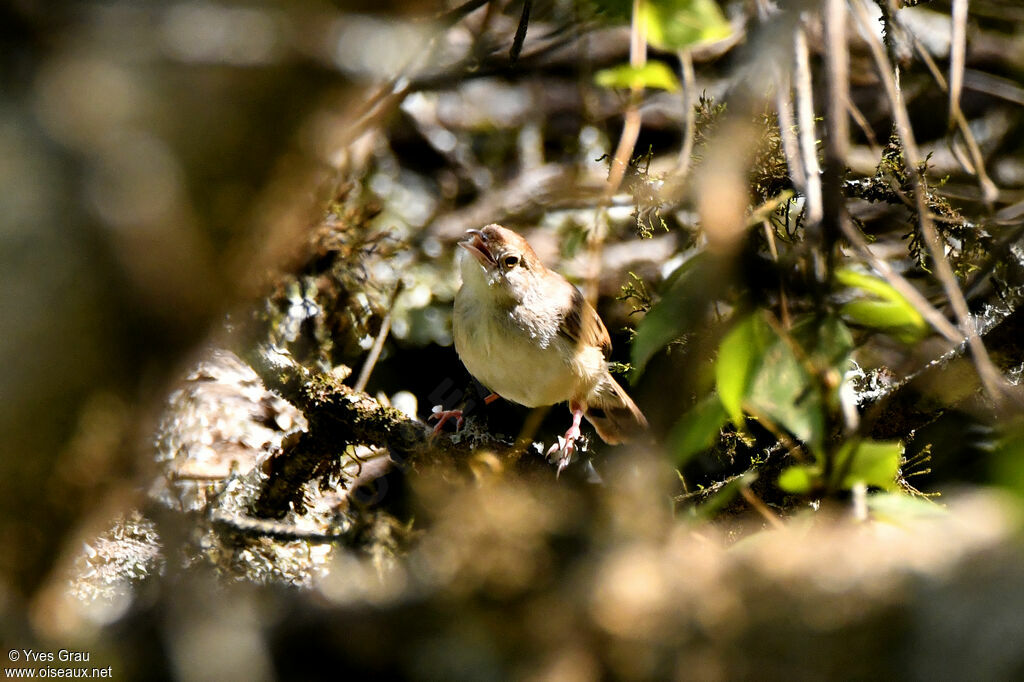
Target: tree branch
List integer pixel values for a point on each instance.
(339, 416)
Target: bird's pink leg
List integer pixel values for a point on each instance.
(569, 446)
(443, 416)
(577, 416)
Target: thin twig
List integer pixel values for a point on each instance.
(838, 137)
(957, 54)
(631, 124)
(859, 495)
(814, 207)
(805, 120)
(520, 37)
(378, 343)
(689, 115)
(997, 86)
(790, 145)
(769, 235)
(624, 150)
(990, 377)
(761, 508)
(865, 127)
(784, 110)
(837, 60)
(989, 191)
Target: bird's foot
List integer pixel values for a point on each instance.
(562, 451)
(566, 445)
(442, 416)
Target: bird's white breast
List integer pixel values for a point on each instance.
(515, 354)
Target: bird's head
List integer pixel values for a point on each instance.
(502, 259)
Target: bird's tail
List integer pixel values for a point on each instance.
(613, 413)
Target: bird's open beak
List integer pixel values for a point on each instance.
(477, 245)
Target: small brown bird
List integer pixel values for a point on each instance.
(528, 335)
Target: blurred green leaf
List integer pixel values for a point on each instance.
(572, 240)
(1008, 456)
(785, 392)
(653, 74)
(873, 463)
(827, 345)
(759, 373)
(868, 283)
(676, 313)
(739, 357)
(870, 462)
(889, 311)
(678, 24)
(826, 342)
(885, 315)
(798, 479)
(697, 430)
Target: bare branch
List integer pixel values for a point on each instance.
(805, 119)
(790, 145)
(957, 54)
(689, 115)
(838, 58)
(838, 136)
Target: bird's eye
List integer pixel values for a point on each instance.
(511, 261)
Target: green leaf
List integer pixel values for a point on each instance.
(1008, 456)
(879, 314)
(697, 430)
(868, 283)
(827, 345)
(676, 313)
(653, 74)
(870, 462)
(739, 357)
(757, 372)
(785, 392)
(888, 310)
(678, 24)
(798, 479)
(886, 316)
(826, 342)
(572, 241)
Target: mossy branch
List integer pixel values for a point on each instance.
(339, 416)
